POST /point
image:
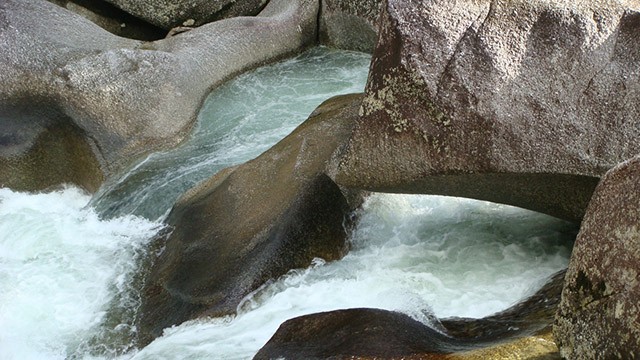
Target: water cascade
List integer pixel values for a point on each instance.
(66, 259)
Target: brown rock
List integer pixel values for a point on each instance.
(520, 102)
(520, 332)
(599, 314)
(59, 154)
(252, 223)
(354, 334)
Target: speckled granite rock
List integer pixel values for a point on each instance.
(520, 102)
(171, 13)
(599, 314)
(123, 98)
(252, 223)
(350, 24)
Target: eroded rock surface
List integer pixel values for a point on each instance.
(520, 332)
(171, 13)
(123, 98)
(599, 314)
(252, 223)
(350, 24)
(520, 102)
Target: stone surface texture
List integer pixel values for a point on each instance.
(520, 102)
(123, 98)
(353, 334)
(171, 13)
(113, 19)
(520, 332)
(350, 24)
(252, 223)
(599, 314)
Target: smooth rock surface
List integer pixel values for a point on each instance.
(252, 223)
(599, 314)
(349, 24)
(171, 13)
(125, 98)
(520, 332)
(520, 102)
(354, 333)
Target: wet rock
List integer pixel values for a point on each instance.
(526, 103)
(349, 24)
(353, 333)
(381, 334)
(59, 154)
(171, 13)
(252, 223)
(520, 332)
(123, 98)
(599, 313)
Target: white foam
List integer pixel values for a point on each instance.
(416, 254)
(60, 266)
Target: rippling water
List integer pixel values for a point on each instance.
(67, 261)
(238, 121)
(421, 255)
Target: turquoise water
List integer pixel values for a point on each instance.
(68, 261)
(238, 121)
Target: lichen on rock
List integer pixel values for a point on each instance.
(599, 313)
(541, 93)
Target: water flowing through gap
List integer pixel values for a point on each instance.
(62, 267)
(238, 121)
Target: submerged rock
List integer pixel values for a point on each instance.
(349, 24)
(520, 332)
(171, 13)
(252, 223)
(521, 102)
(122, 98)
(599, 313)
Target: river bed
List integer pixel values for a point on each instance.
(68, 259)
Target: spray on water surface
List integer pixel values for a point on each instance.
(63, 268)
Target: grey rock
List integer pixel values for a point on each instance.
(113, 19)
(599, 312)
(349, 24)
(171, 13)
(252, 223)
(124, 98)
(521, 102)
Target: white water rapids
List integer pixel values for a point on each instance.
(67, 260)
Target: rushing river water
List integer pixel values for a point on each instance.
(67, 260)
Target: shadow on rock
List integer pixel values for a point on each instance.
(124, 98)
(252, 223)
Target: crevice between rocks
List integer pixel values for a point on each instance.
(113, 19)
